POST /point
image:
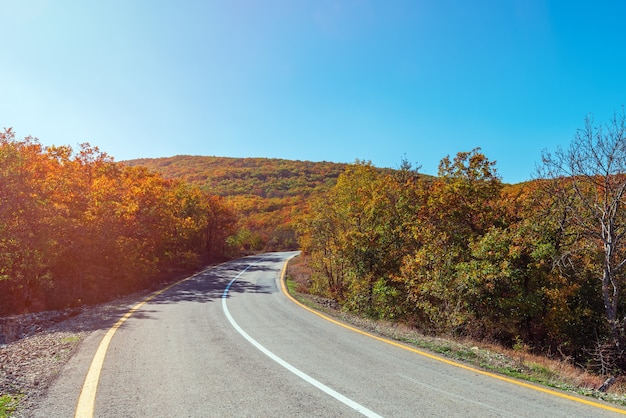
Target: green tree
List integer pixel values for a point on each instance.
(461, 205)
(358, 237)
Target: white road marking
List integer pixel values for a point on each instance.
(341, 398)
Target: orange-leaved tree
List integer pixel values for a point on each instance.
(76, 227)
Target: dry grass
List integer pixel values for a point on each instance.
(299, 272)
(518, 362)
(559, 373)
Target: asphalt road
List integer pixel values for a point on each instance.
(228, 342)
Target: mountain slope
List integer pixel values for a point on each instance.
(267, 193)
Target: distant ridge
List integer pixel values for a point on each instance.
(263, 177)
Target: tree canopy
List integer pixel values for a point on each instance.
(462, 254)
(76, 227)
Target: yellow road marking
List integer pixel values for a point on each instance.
(87, 399)
(445, 360)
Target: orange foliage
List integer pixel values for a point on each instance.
(77, 227)
(267, 194)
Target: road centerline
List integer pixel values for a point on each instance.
(316, 383)
(440, 359)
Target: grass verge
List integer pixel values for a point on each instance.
(291, 285)
(8, 405)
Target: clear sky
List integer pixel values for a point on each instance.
(319, 80)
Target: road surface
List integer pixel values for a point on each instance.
(228, 342)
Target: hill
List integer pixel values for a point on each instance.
(262, 177)
(266, 193)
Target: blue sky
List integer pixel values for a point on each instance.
(319, 80)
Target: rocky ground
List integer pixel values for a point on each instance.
(34, 347)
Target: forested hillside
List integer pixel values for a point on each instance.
(76, 227)
(267, 194)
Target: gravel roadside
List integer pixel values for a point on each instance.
(35, 347)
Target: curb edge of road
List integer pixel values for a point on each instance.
(284, 289)
(85, 406)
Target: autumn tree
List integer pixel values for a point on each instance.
(588, 183)
(76, 227)
(461, 205)
(334, 232)
(357, 237)
(460, 254)
(24, 242)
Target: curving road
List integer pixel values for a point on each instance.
(229, 342)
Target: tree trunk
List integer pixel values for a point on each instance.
(609, 297)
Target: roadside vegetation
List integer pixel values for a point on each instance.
(78, 228)
(516, 362)
(537, 268)
(8, 405)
